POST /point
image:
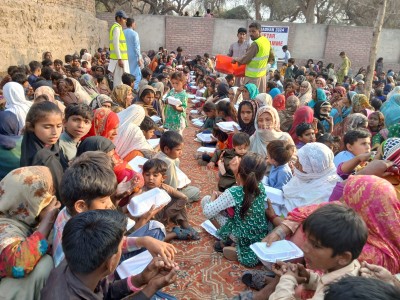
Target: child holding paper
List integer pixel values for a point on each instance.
(171, 144)
(154, 174)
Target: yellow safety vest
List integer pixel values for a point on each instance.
(257, 67)
(122, 43)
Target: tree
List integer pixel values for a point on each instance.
(239, 12)
(374, 47)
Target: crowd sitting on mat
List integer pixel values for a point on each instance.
(68, 138)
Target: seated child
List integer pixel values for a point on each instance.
(146, 99)
(305, 133)
(249, 223)
(88, 184)
(226, 111)
(376, 122)
(171, 144)
(210, 111)
(241, 145)
(150, 130)
(333, 142)
(77, 123)
(358, 146)
(335, 237)
(93, 243)
(279, 154)
(201, 83)
(154, 173)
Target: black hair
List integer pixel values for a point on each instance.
(58, 62)
(128, 79)
(229, 77)
(206, 55)
(46, 73)
(228, 109)
(84, 64)
(291, 60)
(148, 124)
(337, 227)
(209, 106)
(75, 69)
(129, 22)
(92, 237)
(158, 165)
(255, 25)
(170, 139)
(11, 70)
(271, 84)
(38, 111)
(376, 104)
(55, 76)
(82, 52)
(179, 49)
(41, 98)
(146, 92)
(19, 77)
(178, 76)
(90, 176)
(281, 151)
(353, 135)
(285, 47)
(357, 287)
(68, 58)
(219, 134)
(34, 65)
(201, 80)
(80, 109)
(252, 168)
(241, 29)
(146, 72)
(240, 138)
(303, 127)
(47, 62)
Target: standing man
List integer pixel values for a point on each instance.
(134, 56)
(344, 67)
(256, 58)
(118, 49)
(287, 54)
(238, 49)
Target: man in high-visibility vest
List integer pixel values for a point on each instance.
(118, 49)
(256, 58)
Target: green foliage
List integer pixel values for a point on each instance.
(239, 12)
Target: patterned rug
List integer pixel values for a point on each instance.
(204, 273)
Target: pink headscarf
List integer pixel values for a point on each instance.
(279, 102)
(304, 114)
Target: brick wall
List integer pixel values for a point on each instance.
(193, 34)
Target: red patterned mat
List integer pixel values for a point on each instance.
(205, 274)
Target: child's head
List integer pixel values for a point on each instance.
(291, 62)
(230, 79)
(279, 152)
(178, 81)
(146, 73)
(357, 141)
(148, 126)
(336, 235)
(154, 172)
(358, 287)
(88, 183)
(210, 109)
(305, 133)
(226, 109)
(251, 171)
(376, 120)
(92, 241)
(147, 94)
(35, 67)
(201, 83)
(44, 119)
(78, 120)
(128, 79)
(171, 143)
(333, 142)
(241, 143)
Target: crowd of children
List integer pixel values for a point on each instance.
(69, 141)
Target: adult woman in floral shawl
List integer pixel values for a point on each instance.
(26, 197)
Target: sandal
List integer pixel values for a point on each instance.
(185, 234)
(256, 279)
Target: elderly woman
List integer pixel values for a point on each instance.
(286, 116)
(28, 209)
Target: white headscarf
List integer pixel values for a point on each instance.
(263, 99)
(315, 184)
(16, 102)
(307, 96)
(87, 57)
(261, 137)
(130, 137)
(80, 92)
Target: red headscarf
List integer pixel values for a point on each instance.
(279, 102)
(304, 114)
(103, 122)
